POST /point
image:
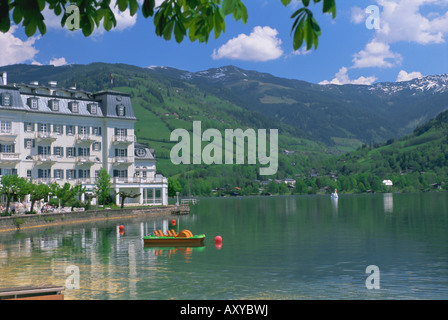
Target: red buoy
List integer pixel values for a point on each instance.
(218, 239)
(173, 222)
(121, 228)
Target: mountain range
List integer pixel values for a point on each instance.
(315, 122)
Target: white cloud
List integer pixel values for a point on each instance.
(412, 25)
(57, 62)
(358, 15)
(376, 54)
(261, 45)
(14, 50)
(342, 78)
(413, 21)
(404, 76)
(301, 52)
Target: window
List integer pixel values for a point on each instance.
(54, 105)
(29, 143)
(58, 173)
(121, 132)
(96, 146)
(70, 152)
(120, 173)
(33, 103)
(83, 174)
(29, 174)
(73, 106)
(43, 127)
(29, 127)
(8, 148)
(96, 131)
(5, 126)
(5, 172)
(121, 152)
(71, 174)
(121, 110)
(70, 130)
(43, 173)
(58, 151)
(83, 130)
(83, 152)
(58, 128)
(6, 99)
(43, 150)
(92, 107)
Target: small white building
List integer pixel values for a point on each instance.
(51, 134)
(387, 183)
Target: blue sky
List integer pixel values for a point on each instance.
(410, 42)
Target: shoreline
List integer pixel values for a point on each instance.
(31, 221)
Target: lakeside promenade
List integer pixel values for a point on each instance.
(27, 221)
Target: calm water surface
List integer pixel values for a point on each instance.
(292, 247)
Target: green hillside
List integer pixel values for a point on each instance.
(416, 162)
(316, 124)
(164, 104)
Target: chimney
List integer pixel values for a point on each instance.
(4, 78)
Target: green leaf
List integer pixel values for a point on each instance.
(133, 7)
(286, 2)
(330, 6)
(17, 15)
(298, 35)
(30, 28)
(148, 8)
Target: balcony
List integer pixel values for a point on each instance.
(123, 139)
(8, 135)
(139, 180)
(122, 160)
(87, 159)
(9, 157)
(84, 137)
(85, 181)
(45, 159)
(43, 136)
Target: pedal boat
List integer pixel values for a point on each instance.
(183, 239)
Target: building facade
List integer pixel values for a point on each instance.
(51, 134)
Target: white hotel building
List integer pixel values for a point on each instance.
(51, 134)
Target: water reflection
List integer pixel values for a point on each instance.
(295, 247)
(388, 201)
(334, 204)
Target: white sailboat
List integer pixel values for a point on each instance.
(334, 195)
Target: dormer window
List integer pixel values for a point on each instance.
(92, 107)
(33, 103)
(54, 105)
(6, 99)
(73, 106)
(121, 111)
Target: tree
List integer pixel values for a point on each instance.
(67, 193)
(13, 186)
(173, 187)
(127, 194)
(196, 19)
(103, 187)
(37, 192)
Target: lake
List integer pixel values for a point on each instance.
(286, 247)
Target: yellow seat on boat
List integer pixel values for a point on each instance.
(185, 234)
(170, 233)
